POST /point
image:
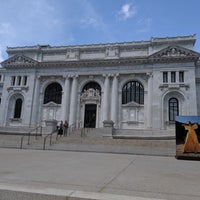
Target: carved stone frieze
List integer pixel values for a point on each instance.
(91, 94)
(174, 51)
(112, 52)
(18, 88)
(173, 86)
(19, 60)
(72, 54)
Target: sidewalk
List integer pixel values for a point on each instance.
(147, 177)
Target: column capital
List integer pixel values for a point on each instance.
(149, 74)
(106, 75)
(66, 76)
(69, 75)
(110, 75)
(116, 75)
(74, 76)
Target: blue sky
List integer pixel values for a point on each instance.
(72, 22)
(186, 119)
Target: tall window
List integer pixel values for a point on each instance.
(165, 77)
(133, 91)
(18, 108)
(19, 78)
(13, 80)
(53, 93)
(173, 77)
(24, 80)
(181, 77)
(173, 109)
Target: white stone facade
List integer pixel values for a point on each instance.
(163, 71)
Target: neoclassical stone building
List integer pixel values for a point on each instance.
(135, 85)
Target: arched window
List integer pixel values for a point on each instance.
(93, 85)
(18, 108)
(173, 109)
(133, 91)
(53, 93)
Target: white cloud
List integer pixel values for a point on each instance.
(127, 11)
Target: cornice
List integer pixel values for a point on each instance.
(152, 41)
(177, 39)
(112, 58)
(115, 62)
(105, 62)
(96, 62)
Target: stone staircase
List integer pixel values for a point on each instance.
(10, 141)
(93, 140)
(15, 141)
(21, 137)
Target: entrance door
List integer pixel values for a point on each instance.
(90, 115)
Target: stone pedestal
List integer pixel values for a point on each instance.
(51, 125)
(108, 128)
(108, 124)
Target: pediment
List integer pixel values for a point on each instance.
(51, 104)
(132, 104)
(175, 52)
(19, 60)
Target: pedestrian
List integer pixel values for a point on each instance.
(65, 128)
(60, 128)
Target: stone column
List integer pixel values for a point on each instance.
(106, 98)
(36, 103)
(114, 100)
(66, 99)
(73, 102)
(149, 100)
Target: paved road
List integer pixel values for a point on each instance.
(135, 175)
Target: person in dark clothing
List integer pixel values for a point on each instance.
(60, 128)
(65, 128)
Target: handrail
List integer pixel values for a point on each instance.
(45, 138)
(83, 132)
(29, 135)
(36, 129)
(71, 128)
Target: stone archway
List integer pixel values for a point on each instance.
(166, 122)
(90, 108)
(15, 110)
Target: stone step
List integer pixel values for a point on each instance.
(143, 134)
(16, 130)
(111, 141)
